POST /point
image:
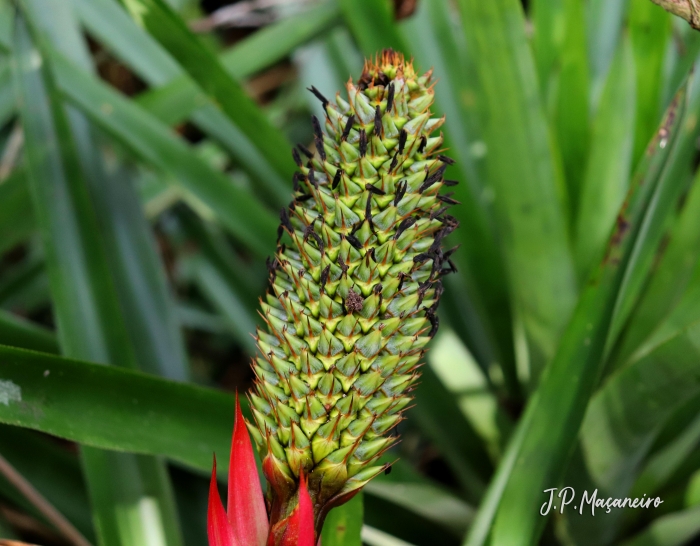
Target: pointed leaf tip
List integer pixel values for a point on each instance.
(306, 515)
(300, 526)
(218, 528)
(246, 504)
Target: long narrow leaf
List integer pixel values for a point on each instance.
(247, 57)
(604, 21)
(675, 276)
(610, 162)
(371, 23)
(529, 200)
(16, 215)
(561, 57)
(650, 32)
(344, 524)
(206, 69)
(674, 529)
(481, 308)
(625, 416)
(155, 143)
(113, 408)
(112, 25)
(22, 333)
(125, 311)
(546, 433)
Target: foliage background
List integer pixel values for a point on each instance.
(144, 152)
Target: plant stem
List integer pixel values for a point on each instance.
(687, 9)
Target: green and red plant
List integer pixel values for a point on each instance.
(355, 284)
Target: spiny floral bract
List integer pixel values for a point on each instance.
(355, 283)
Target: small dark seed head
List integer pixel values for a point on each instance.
(312, 179)
(324, 275)
(394, 161)
(378, 122)
(317, 126)
(403, 136)
(305, 151)
(353, 303)
(390, 98)
(318, 95)
(438, 212)
(363, 143)
(448, 200)
(374, 189)
(400, 192)
(348, 127)
(354, 241)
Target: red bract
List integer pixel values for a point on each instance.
(218, 528)
(246, 523)
(300, 525)
(246, 505)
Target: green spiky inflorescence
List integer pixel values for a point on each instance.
(355, 283)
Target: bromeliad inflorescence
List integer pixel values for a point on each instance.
(355, 284)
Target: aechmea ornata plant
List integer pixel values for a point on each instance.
(355, 284)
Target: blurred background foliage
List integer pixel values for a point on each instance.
(144, 154)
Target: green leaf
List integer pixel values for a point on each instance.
(222, 296)
(669, 293)
(523, 174)
(152, 141)
(80, 279)
(609, 165)
(375, 537)
(18, 332)
(7, 97)
(372, 24)
(408, 489)
(438, 416)
(24, 288)
(261, 50)
(16, 215)
(136, 48)
(117, 409)
(400, 523)
(108, 291)
(562, 63)
(604, 21)
(626, 414)
(667, 195)
(650, 32)
(480, 310)
(667, 299)
(549, 24)
(664, 463)
(674, 529)
(6, 17)
(454, 366)
(205, 68)
(546, 433)
(683, 51)
(344, 524)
